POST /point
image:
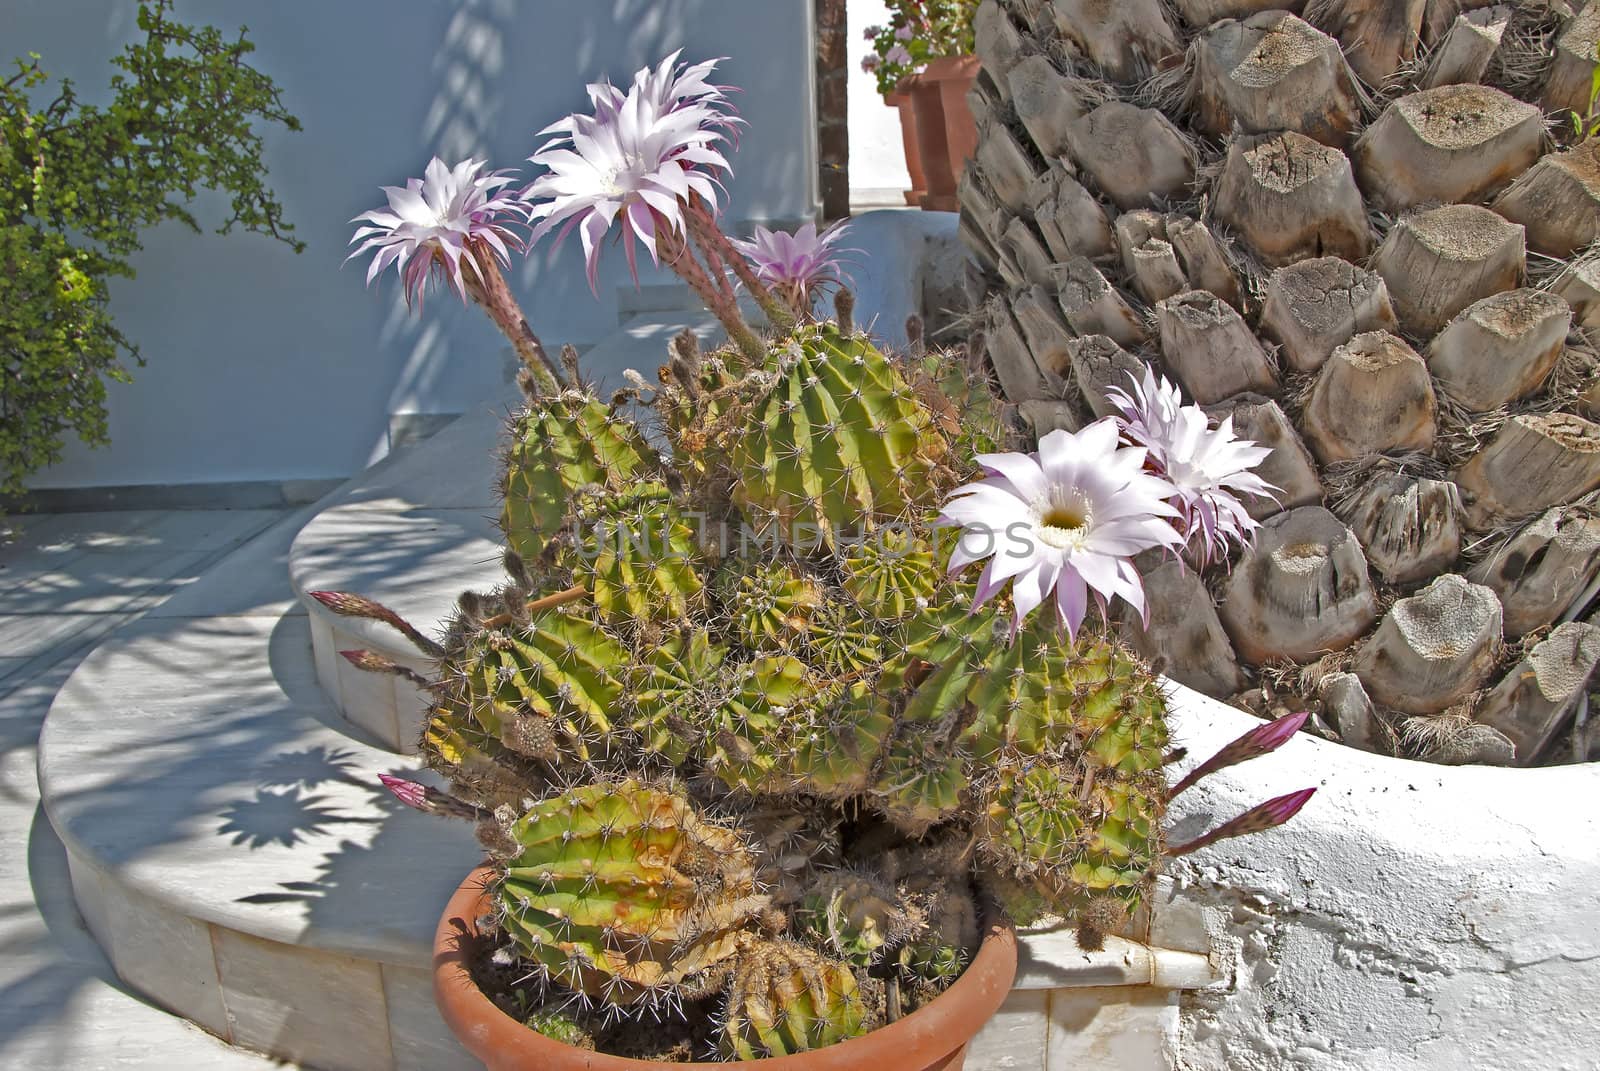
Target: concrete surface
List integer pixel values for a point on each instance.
(62, 1008)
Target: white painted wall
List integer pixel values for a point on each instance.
(1413, 917)
(264, 365)
(877, 157)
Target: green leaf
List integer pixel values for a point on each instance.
(79, 184)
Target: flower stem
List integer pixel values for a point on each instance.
(719, 274)
(708, 236)
(680, 258)
(488, 288)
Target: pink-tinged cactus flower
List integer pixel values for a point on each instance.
(1275, 812)
(796, 265)
(428, 800)
(1209, 467)
(441, 222)
(640, 157)
(1262, 740)
(1068, 518)
(666, 86)
(410, 793)
(898, 54)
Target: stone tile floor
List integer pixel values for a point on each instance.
(66, 581)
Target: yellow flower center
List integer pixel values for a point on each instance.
(1065, 526)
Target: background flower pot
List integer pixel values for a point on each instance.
(901, 102)
(940, 126)
(934, 1038)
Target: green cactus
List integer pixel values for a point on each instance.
(696, 405)
(751, 733)
(769, 606)
(972, 414)
(623, 892)
(845, 642)
(836, 442)
(784, 684)
(636, 554)
(889, 574)
(1084, 840)
(1040, 694)
(559, 1026)
(839, 735)
(670, 691)
(785, 998)
(1032, 694)
(949, 926)
(856, 915)
(921, 781)
(558, 445)
(543, 689)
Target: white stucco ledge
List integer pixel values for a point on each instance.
(414, 560)
(1053, 959)
(1412, 916)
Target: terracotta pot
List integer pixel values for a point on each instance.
(933, 1038)
(908, 140)
(942, 124)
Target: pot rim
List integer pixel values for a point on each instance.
(923, 1039)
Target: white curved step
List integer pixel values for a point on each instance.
(234, 854)
(416, 562)
(413, 532)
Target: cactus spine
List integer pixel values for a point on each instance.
(622, 892)
(784, 999)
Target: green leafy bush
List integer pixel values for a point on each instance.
(78, 185)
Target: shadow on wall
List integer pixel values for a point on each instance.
(265, 366)
(467, 107)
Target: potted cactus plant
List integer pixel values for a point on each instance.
(757, 779)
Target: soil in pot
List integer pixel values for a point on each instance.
(510, 1023)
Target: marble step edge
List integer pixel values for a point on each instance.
(416, 562)
(319, 1010)
(187, 912)
(232, 852)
